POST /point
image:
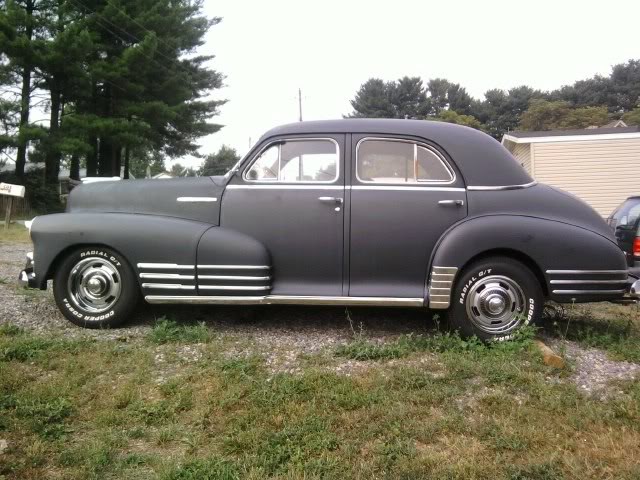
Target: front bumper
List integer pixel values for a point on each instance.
(27, 277)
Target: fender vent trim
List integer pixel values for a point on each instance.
(440, 285)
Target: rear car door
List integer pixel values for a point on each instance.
(405, 193)
(290, 197)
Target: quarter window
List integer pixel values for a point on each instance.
(290, 161)
(390, 161)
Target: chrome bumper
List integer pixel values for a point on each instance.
(27, 277)
(634, 289)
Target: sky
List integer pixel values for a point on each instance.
(267, 50)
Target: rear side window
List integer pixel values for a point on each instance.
(626, 215)
(399, 162)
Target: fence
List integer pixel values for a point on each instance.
(21, 208)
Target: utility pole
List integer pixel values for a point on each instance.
(300, 103)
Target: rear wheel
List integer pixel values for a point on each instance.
(95, 287)
(495, 297)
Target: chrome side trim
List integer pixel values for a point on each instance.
(282, 186)
(234, 287)
(235, 267)
(585, 272)
(233, 277)
(168, 266)
(570, 282)
(409, 189)
(286, 300)
(440, 287)
(587, 292)
(168, 286)
(167, 276)
(485, 188)
(196, 199)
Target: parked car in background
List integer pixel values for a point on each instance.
(625, 220)
(348, 212)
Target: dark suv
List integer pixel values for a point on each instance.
(625, 220)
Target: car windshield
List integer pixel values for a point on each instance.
(626, 215)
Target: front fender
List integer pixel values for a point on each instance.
(139, 238)
(550, 245)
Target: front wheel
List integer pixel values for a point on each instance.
(95, 287)
(495, 297)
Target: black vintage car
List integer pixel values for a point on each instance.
(346, 212)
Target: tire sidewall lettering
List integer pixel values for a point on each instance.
(100, 253)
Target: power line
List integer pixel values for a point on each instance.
(129, 34)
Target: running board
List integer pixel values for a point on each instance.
(286, 300)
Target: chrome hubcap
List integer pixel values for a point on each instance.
(495, 304)
(94, 285)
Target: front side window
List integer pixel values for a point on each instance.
(310, 161)
(391, 161)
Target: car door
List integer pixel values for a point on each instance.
(290, 197)
(405, 193)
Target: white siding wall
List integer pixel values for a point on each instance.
(601, 172)
(522, 152)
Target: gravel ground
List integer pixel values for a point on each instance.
(282, 335)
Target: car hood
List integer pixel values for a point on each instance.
(189, 198)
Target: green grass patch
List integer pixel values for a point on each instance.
(610, 327)
(15, 234)
(361, 349)
(470, 410)
(166, 330)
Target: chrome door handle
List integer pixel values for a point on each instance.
(336, 200)
(455, 203)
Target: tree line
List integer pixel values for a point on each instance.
(120, 84)
(594, 101)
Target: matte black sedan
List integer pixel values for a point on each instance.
(347, 212)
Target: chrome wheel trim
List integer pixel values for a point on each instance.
(496, 304)
(94, 284)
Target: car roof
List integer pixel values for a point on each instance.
(481, 159)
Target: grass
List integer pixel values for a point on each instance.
(429, 406)
(166, 330)
(15, 234)
(610, 327)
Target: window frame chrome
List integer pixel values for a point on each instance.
(416, 144)
(277, 181)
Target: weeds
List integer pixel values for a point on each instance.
(168, 331)
(437, 343)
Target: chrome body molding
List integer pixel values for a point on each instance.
(440, 287)
(169, 286)
(586, 282)
(166, 276)
(168, 266)
(234, 287)
(408, 189)
(586, 272)
(196, 199)
(242, 278)
(282, 186)
(484, 188)
(234, 267)
(286, 300)
(588, 292)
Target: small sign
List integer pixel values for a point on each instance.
(11, 190)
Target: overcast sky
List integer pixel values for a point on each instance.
(267, 50)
